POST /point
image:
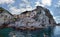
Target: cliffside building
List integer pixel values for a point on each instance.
(5, 16)
(38, 17)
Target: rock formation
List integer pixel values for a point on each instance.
(5, 17)
(39, 17)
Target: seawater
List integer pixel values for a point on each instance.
(50, 32)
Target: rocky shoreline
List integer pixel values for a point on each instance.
(22, 28)
(38, 18)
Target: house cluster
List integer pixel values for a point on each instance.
(5, 17)
(39, 17)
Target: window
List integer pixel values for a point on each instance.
(43, 12)
(39, 13)
(43, 25)
(6, 16)
(49, 21)
(1, 10)
(1, 15)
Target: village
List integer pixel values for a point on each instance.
(37, 18)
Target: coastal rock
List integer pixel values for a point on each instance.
(39, 17)
(5, 16)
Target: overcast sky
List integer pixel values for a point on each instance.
(18, 6)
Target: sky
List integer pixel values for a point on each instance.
(19, 6)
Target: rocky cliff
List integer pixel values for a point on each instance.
(39, 17)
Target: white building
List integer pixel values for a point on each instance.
(5, 16)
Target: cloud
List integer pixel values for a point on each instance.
(43, 3)
(28, 8)
(58, 4)
(46, 2)
(57, 19)
(26, 5)
(14, 10)
(6, 1)
(38, 4)
(22, 4)
(26, 1)
(51, 12)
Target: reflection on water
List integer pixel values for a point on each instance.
(9, 32)
(56, 31)
(28, 33)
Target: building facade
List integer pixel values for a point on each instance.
(5, 16)
(39, 17)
